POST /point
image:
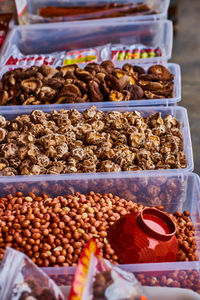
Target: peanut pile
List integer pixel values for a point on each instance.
(188, 279)
(94, 83)
(69, 141)
(54, 231)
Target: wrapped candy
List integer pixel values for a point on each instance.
(137, 51)
(89, 55)
(78, 56)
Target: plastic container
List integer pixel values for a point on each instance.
(188, 199)
(48, 38)
(174, 69)
(161, 6)
(179, 112)
(151, 272)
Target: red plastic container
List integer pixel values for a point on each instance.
(144, 237)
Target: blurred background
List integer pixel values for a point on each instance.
(186, 52)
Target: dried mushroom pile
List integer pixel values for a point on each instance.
(54, 231)
(94, 83)
(93, 141)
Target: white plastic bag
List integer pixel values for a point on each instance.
(20, 278)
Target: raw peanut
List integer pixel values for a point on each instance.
(25, 223)
(60, 259)
(53, 239)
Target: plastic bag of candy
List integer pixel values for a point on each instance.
(97, 279)
(21, 279)
(118, 52)
(90, 55)
(18, 58)
(137, 51)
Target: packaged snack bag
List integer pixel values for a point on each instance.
(135, 51)
(18, 58)
(21, 279)
(89, 55)
(97, 279)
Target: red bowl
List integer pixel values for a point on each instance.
(144, 237)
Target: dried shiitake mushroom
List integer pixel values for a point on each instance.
(31, 85)
(108, 66)
(69, 68)
(150, 95)
(95, 92)
(159, 70)
(112, 82)
(119, 96)
(71, 88)
(93, 83)
(136, 92)
(3, 97)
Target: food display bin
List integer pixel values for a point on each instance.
(186, 197)
(179, 112)
(160, 6)
(49, 38)
(171, 275)
(173, 68)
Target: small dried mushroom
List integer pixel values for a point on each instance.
(94, 83)
(93, 141)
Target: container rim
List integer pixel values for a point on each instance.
(147, 102)
(167, 24)
(148, 267)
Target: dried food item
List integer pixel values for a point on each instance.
(136, 92)
(110, 10)
(104, 280)
(53, 231)
(119, 96)
(94, 83)
(180, 278)
(159, 70)
(108, 141)
(21, 279)
(184, 278)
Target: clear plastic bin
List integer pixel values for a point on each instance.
(179, 112)
(187, 199)
(148, 275)
(174, 69)
(48, 38)
(161, 6)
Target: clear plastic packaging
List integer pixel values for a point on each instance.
(173, 68)
(160, 7)
(96, 278)
(20, 278)
(187, 200)
(48, 38)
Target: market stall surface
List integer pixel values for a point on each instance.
(186, 52)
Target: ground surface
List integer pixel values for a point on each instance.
(186, 52)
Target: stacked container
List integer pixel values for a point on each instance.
(149, 30)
